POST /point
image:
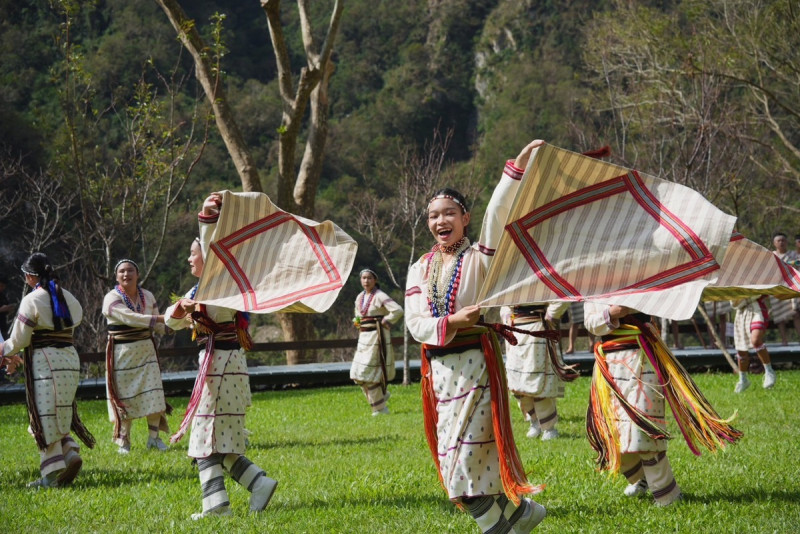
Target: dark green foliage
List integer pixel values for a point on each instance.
(498, 73)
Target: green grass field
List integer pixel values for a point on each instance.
(341, 470)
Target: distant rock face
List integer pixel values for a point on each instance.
(497, 46)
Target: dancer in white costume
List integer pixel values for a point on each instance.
(133, 375)
(749, 326)
(465, 397)
(373, 363)
(43, 328)
(535, 372)
(221, 391)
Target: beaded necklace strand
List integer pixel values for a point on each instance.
(364, 308)
(128, 303)
(443, 303)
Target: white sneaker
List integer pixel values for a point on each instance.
(535, 430)
(637, 489)
(547, 435)
(769, 378)
(382, 411)
(742, 384)
(533, 515)
(263, 490)
(221, 511)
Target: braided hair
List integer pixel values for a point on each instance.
(38, 265)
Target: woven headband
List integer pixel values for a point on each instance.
(368, 271)
(449, 197)
(125, 260)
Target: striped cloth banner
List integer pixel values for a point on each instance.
(262, 259)
(751, 270)
(583, 229)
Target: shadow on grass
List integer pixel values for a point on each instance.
(745, 496)
(390, 501)
(710, 499)
(115, 478)
(333, 441)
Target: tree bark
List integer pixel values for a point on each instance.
(297, 190)
(223, 115)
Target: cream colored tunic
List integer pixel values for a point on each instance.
(136, 370)
(56, 371)
(468, 453)
(636, 379)
(366, 366)
(218, 424)
(528, 366)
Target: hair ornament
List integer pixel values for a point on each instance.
(449, 197)
(125, 260)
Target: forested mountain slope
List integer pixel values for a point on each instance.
(98, 106)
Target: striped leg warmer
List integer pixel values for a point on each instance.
(659, 476)
(212, 482)
(242, 470)
(489, 513)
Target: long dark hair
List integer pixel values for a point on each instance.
(38, 265)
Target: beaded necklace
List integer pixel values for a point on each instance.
(443, 303)
(128, 303)
(364, 308)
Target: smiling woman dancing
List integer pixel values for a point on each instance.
(465, 399)
(133, 376)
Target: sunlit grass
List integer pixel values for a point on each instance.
(341, 470)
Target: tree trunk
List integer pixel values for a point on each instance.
(205, 72)
(297, 326)
(296, 190)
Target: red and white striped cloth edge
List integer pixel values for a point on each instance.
(584, 229)
(262, 259)
(750, 270)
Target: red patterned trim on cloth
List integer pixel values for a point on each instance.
(441, 331)
(702, 262)
(207, 219)
(789, 274)
(483, 249)
(413, 291)
(222, 249)
(25, 320)
(538, 262)
(512, 171)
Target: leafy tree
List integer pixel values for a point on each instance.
(754, 44)
(297, 189)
